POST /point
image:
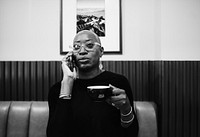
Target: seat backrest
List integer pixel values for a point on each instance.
(23, 118)
(29, 118)
(147, 119)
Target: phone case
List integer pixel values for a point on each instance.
(71, 63)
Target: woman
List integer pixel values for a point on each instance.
(71, 110)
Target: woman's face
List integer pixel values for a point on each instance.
(88, 52)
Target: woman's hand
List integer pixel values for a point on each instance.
(69, 75)
(121, 102)
(67, 63)
(119, 99)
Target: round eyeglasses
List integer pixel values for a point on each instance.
(87, 46)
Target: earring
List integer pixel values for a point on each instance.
(100, 65)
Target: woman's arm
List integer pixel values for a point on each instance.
(60, 114)
(133, 128)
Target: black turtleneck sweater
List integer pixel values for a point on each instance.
(80, 116)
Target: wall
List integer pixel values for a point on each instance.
(180, 29)
(172, 85)
(151, 30)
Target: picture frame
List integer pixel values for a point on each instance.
(112, 41)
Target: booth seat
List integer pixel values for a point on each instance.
(29, 118)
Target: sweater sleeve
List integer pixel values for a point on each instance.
(60, 115)
(132, 130)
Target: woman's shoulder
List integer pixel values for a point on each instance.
(55, 88)
(56, 85)
(111, 74)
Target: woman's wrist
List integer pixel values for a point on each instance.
(65, 96)
(125, 109)
(127, 121)
(127, 118)
(127, 115)
(127, 112)
(68, 78)
(66, 88)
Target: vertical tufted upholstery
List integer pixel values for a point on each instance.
(29, 118)
(4, 108)
(146, 114)
(23, 119)
(18, 119)
(38, 119)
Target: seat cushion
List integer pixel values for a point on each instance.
(18, 119)
(38, 119)
(4, 108)
(146, 113)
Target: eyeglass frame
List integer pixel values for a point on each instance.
(83, 45)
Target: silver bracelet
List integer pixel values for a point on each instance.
(125, 115)
(129, 121)
(64, 96)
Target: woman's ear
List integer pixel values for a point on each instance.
(102, 51)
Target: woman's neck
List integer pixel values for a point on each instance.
(89, 74)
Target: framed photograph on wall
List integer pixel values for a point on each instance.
(101, 16)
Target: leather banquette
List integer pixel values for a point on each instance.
(29, 118)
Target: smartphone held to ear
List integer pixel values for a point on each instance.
(71, 62)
